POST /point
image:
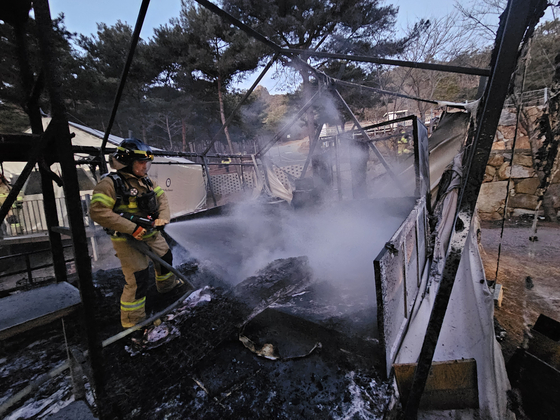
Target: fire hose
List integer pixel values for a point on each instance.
(144, 249)
(34, 385)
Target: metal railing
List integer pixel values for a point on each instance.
(29, 268)
(27, 217)
(537, 97)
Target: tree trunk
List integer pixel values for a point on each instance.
(223, 114)
(307, 95)
(168, 132)
(184, 132)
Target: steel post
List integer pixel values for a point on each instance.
(63, 146)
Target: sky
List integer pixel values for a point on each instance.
(82, 17)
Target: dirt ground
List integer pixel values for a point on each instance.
(528, 271)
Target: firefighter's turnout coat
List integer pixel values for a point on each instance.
(106, 205)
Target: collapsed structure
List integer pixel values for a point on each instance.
(357, 326)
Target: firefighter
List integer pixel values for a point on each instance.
(12, 217)
(130, 191)
(402, 144)
(4, 191)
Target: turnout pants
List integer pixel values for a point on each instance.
(136, 274)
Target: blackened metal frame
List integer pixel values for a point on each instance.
(520, 18)
(517, 24)
(57, 141)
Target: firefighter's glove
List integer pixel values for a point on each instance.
(139, 232)
(160, 222)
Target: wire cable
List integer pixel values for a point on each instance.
(519, 107)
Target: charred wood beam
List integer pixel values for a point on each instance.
(63, 146)
(377, 60)
(33, 89)
(337, 163)
(128, 63)
(17, 140)
(517, 22)
(247, 94)
(51, 217)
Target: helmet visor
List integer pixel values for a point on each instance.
(143, 155)
(138, 154)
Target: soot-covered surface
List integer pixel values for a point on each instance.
(207, 372)
(326, 367)
(295, 340)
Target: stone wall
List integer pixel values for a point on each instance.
(524, 178)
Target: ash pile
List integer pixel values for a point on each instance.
(275, 345)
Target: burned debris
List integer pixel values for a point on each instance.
(285, 341)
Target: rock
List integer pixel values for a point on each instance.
(498, 145)
(508, 131)
(517, 171)
(523, 143)
(499, 136)
(490, 216)
(520, 172)
(502, 171)
(491, 198)
(495, 160)
(533, 113)
(524, 201)
(554, 192)
(527, 186)
(489, 174)
(507, 118)
(523, 160)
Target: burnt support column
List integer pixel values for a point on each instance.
(32, 89)
(63, 146)
(51, 217)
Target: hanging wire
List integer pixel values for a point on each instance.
(519, 107)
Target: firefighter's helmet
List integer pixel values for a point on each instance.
(133, 149)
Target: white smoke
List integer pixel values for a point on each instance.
(341, 241)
